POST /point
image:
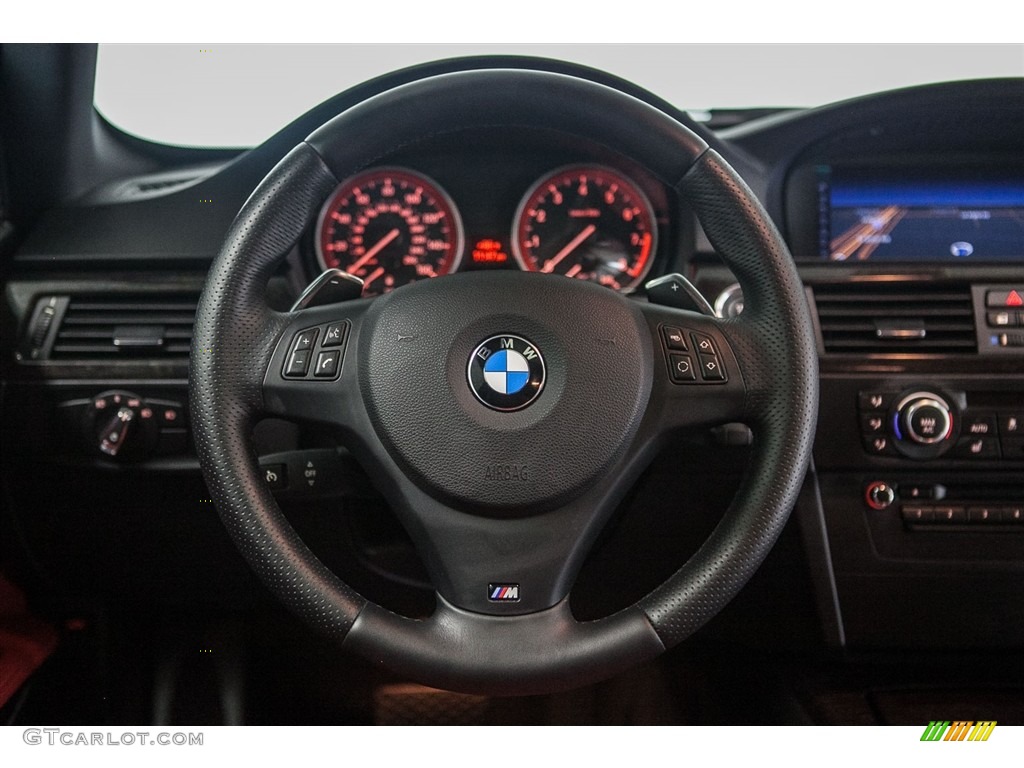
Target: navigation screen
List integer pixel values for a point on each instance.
(899, 216)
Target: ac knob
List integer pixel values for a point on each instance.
(924, 418)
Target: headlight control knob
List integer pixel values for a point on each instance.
(121, 426)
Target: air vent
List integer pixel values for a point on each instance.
(896, 318)
(157, 326)
(158, 186)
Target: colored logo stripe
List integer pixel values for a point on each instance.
(935, 730)
(959, 730)
(504, 591)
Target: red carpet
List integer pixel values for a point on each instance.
(25, 641)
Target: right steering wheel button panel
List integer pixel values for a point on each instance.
(705, 367)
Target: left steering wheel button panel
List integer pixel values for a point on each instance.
(308, 359)
(304, 340)
(298, 363)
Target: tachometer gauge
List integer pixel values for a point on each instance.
(389, 226)
(586, 222)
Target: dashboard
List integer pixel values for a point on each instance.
(908, 232)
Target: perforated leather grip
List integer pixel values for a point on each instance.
(774, 339)
(235, 334)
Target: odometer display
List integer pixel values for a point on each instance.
(589, 223)
(389, 226)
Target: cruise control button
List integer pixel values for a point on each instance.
(334, 335)
(682, 368)
(304, 339)
(711, 369)
(298, 363)
(674, 338)
(327, 364)
(703, 344)
(275, 476)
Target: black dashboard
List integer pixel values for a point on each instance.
(907, 228)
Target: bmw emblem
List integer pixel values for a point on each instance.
(506, 372)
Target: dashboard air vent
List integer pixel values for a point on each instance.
(896, 318)
(126, 327)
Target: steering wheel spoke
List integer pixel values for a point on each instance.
(699, 379)
(313, 373)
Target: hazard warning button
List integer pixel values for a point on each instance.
(1010, 298)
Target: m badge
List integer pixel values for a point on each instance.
(503, 593)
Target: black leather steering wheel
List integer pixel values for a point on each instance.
(499, 499)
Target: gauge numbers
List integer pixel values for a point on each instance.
(389, 227)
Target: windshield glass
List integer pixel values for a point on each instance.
(239, 95)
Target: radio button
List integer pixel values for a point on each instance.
(950, 515)
(983, 515)
(916, 514)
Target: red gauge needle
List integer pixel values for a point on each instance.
(381, 244)
(372, 276)
(572, 246)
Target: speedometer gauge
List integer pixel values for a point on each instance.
(586, 222)
(389, 226)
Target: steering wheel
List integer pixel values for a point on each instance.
(503, 486)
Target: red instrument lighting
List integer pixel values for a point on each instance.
(489, 251)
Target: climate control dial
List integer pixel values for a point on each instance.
(923, 424)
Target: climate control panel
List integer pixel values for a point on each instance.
(923, 423)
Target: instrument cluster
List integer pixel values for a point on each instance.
(394, 224)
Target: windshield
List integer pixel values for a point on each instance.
(239, 95)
